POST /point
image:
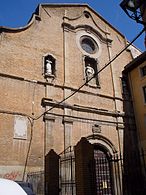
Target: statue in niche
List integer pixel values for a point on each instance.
(89, 71)
(48, 67)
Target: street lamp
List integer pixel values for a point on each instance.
(134, 9)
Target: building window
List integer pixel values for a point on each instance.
(49, 66)
(87, 14)
(144, 93)
(124, 85)
(91, 71)
(88, 44)
(143, 71)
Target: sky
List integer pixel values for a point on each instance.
(16, 13)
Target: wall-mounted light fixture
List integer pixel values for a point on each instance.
(134, 9)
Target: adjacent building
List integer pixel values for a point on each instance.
(135, 72)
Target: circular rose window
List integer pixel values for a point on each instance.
(88, 44)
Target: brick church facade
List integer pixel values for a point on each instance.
(61, 49)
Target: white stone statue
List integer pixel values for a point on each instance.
(48, 67)
(89, 71)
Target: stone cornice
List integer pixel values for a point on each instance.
(41, 82)
(47, 102)
(72, 118)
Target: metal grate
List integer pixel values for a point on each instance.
(67, 173)
(103, 173)
(37, 181)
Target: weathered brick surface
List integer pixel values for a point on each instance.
(21, 63)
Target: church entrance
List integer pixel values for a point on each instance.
(103, 172)
(89, 169)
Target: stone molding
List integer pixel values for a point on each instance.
(88, 28)
(48, 118)
(47, 102)
(67, 120)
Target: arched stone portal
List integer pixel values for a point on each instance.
(102, 141)
(108, 165)
(91, 167)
